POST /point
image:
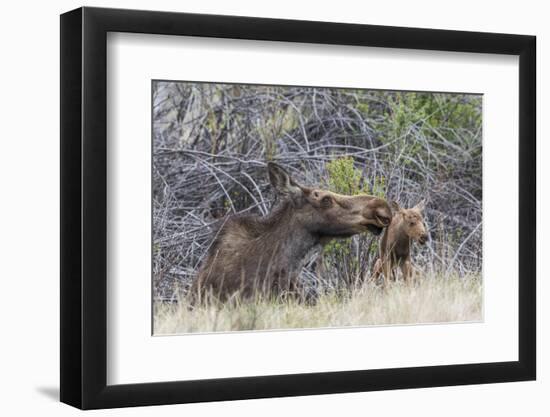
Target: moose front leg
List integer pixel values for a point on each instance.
(406, 269)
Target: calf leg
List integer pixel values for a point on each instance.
(377, 270)
(414, 274)
(406, 269)
(388, 271)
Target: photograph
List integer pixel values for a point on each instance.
(257, 205)
(299, 207)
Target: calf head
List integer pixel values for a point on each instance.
(412, 221)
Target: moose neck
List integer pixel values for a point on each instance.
(288, 235)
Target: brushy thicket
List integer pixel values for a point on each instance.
(211, 143)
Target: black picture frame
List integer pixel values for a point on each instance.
(84, 207)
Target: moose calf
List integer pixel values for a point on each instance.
(395, 247)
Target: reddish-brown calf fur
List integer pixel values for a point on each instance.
(395, 247)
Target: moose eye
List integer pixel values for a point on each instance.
(326, 201)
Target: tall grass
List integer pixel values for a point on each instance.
(433, 299)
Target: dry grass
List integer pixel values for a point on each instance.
(433, 300)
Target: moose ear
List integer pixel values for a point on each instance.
(420, 206)
(395, 206)
(282, 181)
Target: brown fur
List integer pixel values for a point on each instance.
(395, 248)
(262, 256)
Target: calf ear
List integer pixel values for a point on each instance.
(395, 206)
(282, 181)
(420, 206)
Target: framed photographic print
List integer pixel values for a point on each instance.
(257, 207)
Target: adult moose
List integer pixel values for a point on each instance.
(262, 256)
(407, 225)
